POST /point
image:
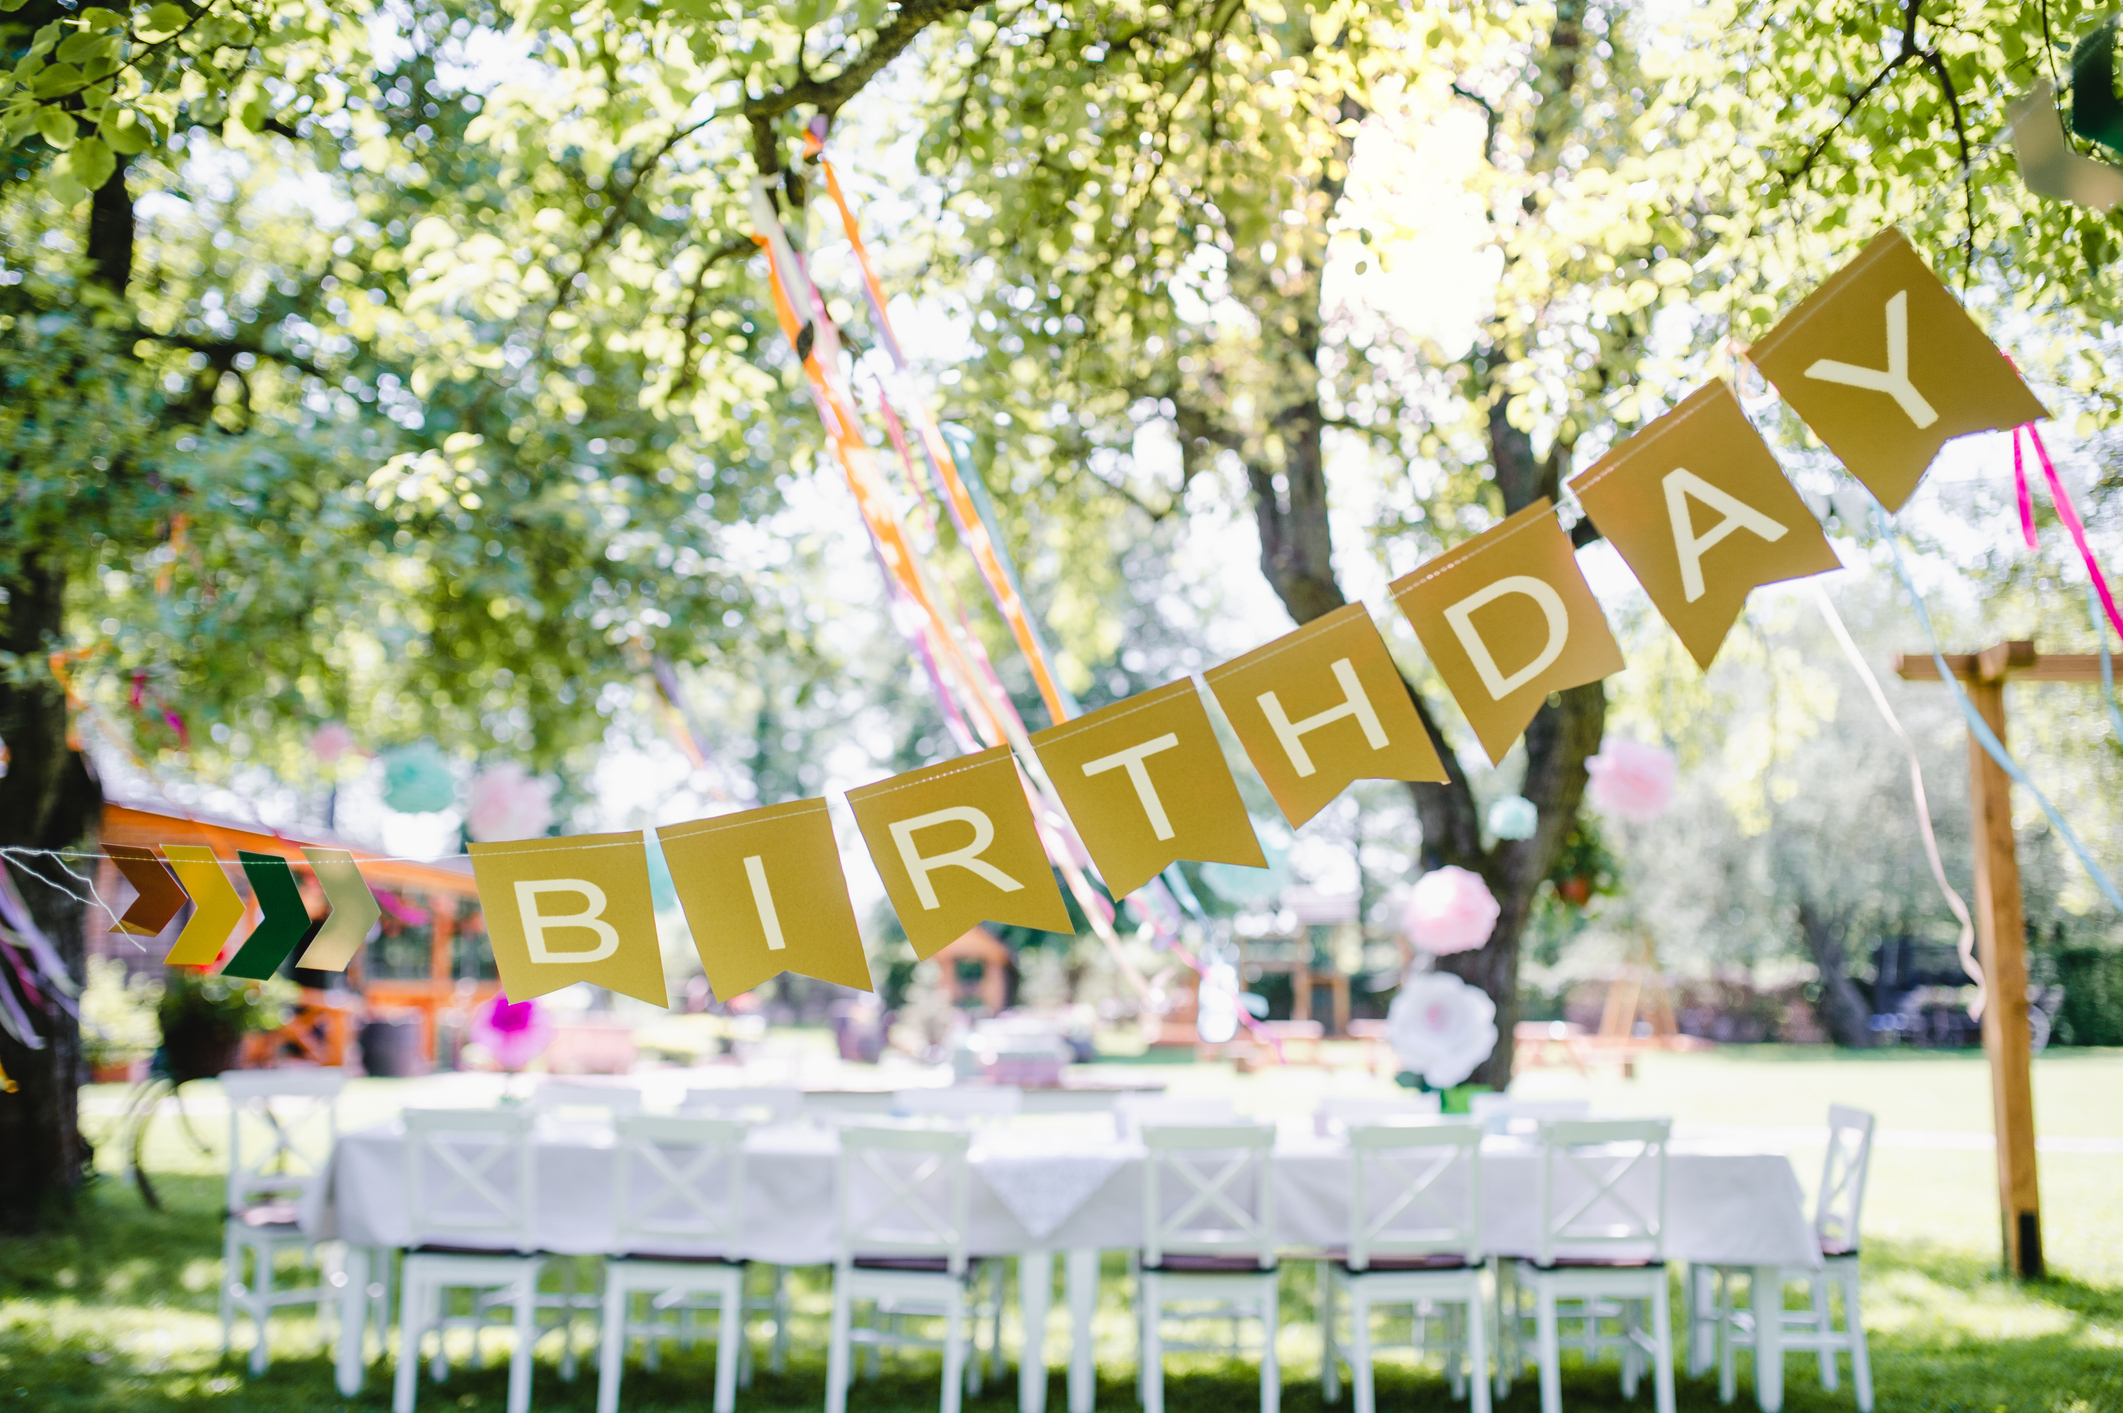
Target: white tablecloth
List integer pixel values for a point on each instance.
(1067, 1190)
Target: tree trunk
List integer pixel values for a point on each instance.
(48, 800)
(1842, 1006)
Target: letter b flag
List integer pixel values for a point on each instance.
(1507, 619)
(1323, 706)
(559, 911)
(956, 845)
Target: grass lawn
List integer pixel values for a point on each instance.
(116, 1309)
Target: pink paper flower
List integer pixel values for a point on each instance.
(332, 743)
(512, 1035)
(1631, 781)
(1450, 910)
(508, 802)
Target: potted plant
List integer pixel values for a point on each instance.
(204, 1019)
(118, 1030)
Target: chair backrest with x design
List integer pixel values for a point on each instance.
(1415, 1190)
(1132, 1113)
(679, 1185)
(1603, 1189)
(783, 1104)
(1842, 1194)
(469, 1179)
(557, 1096)
(903, 1192)
(1209, 1191)
(282, 1125)
(991, 1103)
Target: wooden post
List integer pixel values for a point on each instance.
(2001, 946)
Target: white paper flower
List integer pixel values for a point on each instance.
(1440, 1027)
(508, 802)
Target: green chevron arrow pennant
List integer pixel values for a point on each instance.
(285, 922)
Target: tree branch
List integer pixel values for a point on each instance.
(828, 95)
(1937, 65)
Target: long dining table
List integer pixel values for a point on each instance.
(1069, 1188)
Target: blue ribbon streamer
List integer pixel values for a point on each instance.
(1977, 726)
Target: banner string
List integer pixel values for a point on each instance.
(1966, 944)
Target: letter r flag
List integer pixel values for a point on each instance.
(1507, 618)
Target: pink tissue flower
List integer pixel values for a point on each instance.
(1450, 910)
(512, 1035)
(332, 743)
(1631, 781)
(508, 802)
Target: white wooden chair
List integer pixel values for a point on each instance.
(282, 1124)
(679, 1190)
(560, 1096)
(1208, 1244)
(1337, 1114)
(1601, 1259)
(581, 1104)
(1132, 1113)
(470, 1190)
(1502, 1114)
(960, 1104)
(1835, 1223)
(782, 1104)
(1415, 1239)
(902, 1204)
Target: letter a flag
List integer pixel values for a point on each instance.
(1146, 783)
(283, 920)
(956, 845)
(764, 893)
(160, 896)
(1507, 618)
(560, 911)
(216, 906)
(1323, 706)
(1886, 367)
(1701, 511)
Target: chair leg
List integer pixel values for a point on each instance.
(974, 1371)
(1455, 1338)
(410, 1303)
(612, 1342)
(1477, 1352)
(1360, 1373)
(1632, 1354)
(1728, 1341)
(778, 1360)
(729, 1340)
(1330, 1356)
(526, 1322)
(837, 1348)
(1548, 1350)
(1271, 1326)
(1509, 1329)
(1662, 1348)
(231, 1267)
(955, 1322)
(1860, 1356)
(1824, 1325)
(567, 1320)
(1153, 1355)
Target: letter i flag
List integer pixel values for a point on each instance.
(956, 845)
(1886, 367)
(1146, 783)
(1507, 618)
(764, 893)
(1323, 706)
(1701, 511)
(560, 911)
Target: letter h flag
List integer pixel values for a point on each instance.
(559, 911)
(1507, 618)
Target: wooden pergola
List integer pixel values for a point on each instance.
(2001, 924)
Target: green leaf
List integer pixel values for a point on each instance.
(124, 130)
(91, 163)
(64, 188)
(164, 20)
(83, 46)
(57, 127)
(11, 4)
(96, 17)
(56, 80)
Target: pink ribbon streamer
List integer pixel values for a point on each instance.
(2027, 495)
(2066, 512)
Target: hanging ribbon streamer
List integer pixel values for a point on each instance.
(2108, 671)
(1977, 726)
(2067, 511)
(1966, 944)
(2022, 491)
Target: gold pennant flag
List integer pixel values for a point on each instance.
(764, 893)
(559, 911)
(1321, 707)
(1701, 511)
(1886, 367)
(956, 845)
(1507, 618)
(1146, 783)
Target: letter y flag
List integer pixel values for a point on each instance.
(559, 911)
(956, 845)
(1507, 618)
(1886, 367)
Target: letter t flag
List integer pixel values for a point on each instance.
(1886, 367)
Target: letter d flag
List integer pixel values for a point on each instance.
(1507, 619)
(559, 911)
(956, 845)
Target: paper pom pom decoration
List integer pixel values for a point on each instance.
(1450, 910)
(1631, 781)
(332, 743)
(1514, 817)
(507, 802)
(417, 779)
(1217, 1003)
(1440, 1027)
(512, 1035)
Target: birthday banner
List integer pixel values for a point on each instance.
(1881, 362)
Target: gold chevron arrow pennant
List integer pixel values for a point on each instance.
(216, 907)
